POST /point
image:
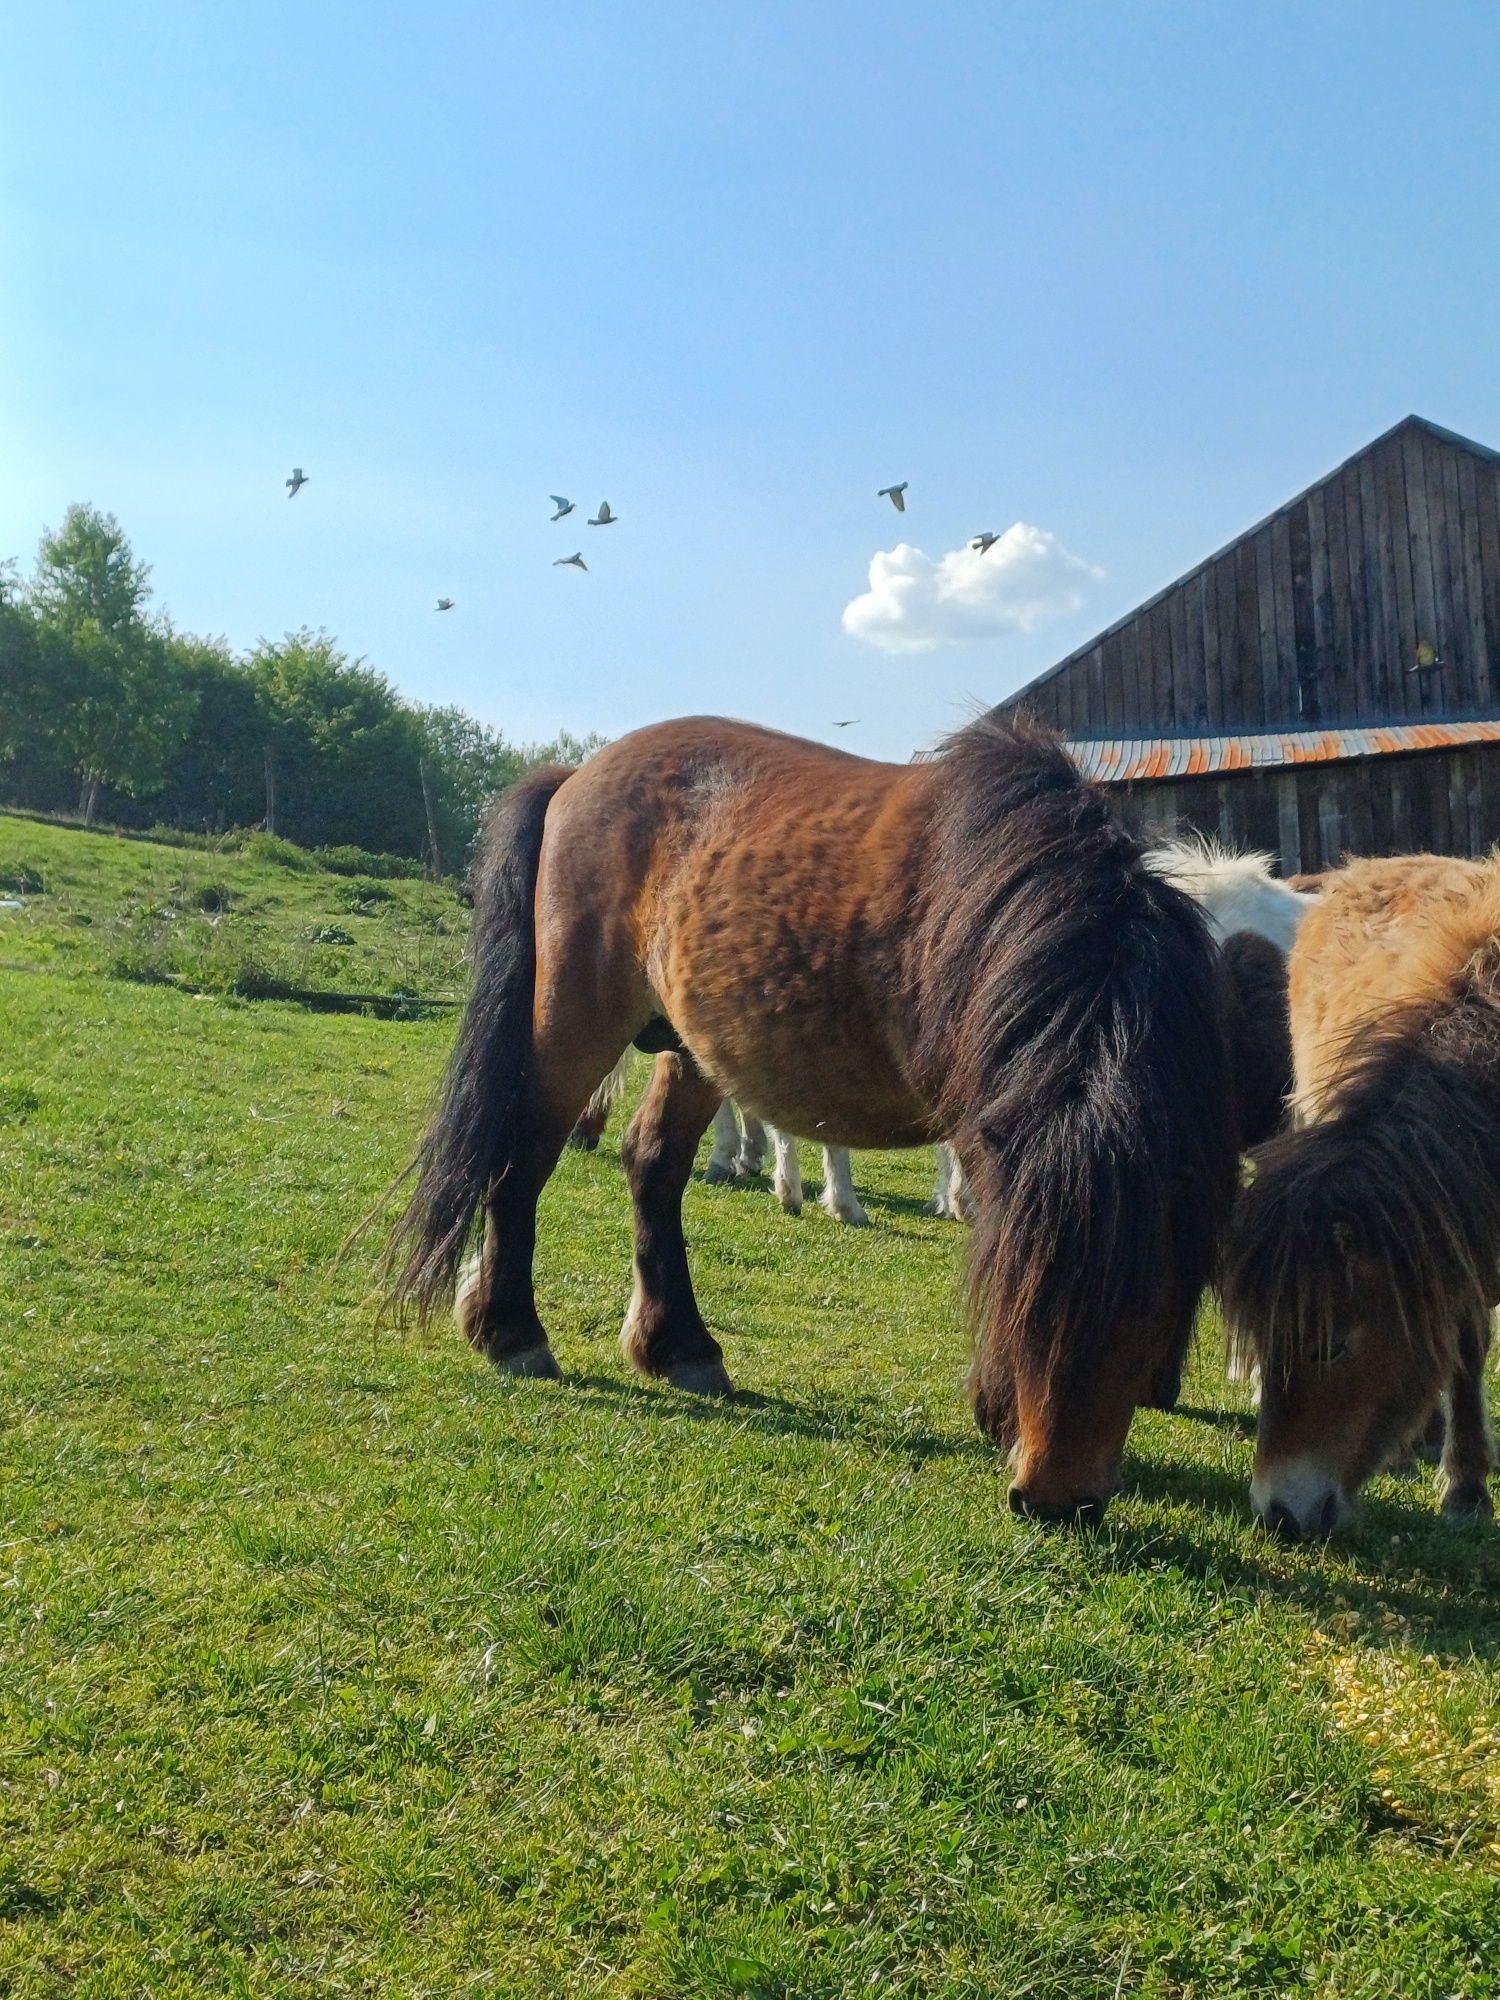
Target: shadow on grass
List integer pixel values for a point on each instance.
(1241, 1422)
(1395, 1556)
(1398, 1555)
(846, 1422)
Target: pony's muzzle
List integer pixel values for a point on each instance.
(1079, 1513)
(1304, 1515)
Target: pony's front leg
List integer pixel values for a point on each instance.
(722, 1160)
(787, 1181)
(838, 1197)
(664, 1332)
(1468, 1454)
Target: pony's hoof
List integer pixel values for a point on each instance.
(583, 1142)
(537, 1363)
(854, 1217)
(716, 1173)
(701, 1378)
(1468, 1502)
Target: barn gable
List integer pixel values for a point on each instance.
(1372, 598)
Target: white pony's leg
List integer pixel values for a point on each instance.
(726, 1144)
(788, 1177)
(948, 1184)
(753, 1143)
(838, 1197)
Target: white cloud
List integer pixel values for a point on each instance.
(915, 605)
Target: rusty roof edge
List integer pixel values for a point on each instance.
(1162, 757)
(1447, 719)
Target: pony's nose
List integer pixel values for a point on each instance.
(1321, 1519)
(1081, 1513)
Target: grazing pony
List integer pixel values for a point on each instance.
(970, 945)
(1365, 1255)
(1239, 895)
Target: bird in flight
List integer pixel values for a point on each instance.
(296, 483)
(603, 519)
(445, 604)
(984, 543)
(896, 495)
(847, 725)
(563, 507)
(574, 561)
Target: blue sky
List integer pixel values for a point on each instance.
(1129, 275)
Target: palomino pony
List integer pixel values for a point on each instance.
(970, 945)
(1365, 1256)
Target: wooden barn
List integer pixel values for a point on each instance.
(1329, 684)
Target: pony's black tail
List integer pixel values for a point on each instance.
(470, 1142)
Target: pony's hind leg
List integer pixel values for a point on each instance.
(589, 1130)
(722, 1160)
(1468, 1453)
(754, 1140)
(664, 1332)
(495, 1304)
(787, 1180)
(948, 1197)
(838, 1198)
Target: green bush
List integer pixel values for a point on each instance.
(360, 898)
(359, 861)
(281, 853)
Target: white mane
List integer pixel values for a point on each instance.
(1237, 892)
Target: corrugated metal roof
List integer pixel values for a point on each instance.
(1121, 760)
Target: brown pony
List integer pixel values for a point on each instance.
(1365, 1256)
(874, 954)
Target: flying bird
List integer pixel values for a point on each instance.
(984, 543)
(445, 604)
(603, 519)
(847, 725)
(296, 483)
(563, 507)
(574, 561)
(896, 495)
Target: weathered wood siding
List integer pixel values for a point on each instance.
(1313, 816)
(1317, 614)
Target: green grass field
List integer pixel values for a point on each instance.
(331, 1664)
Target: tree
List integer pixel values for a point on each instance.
(87, 574)
(216, 774)
(119, 704)
(345, 751)
(21, 682)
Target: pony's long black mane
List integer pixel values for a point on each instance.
(1072, 1035)
(1400, 1178)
